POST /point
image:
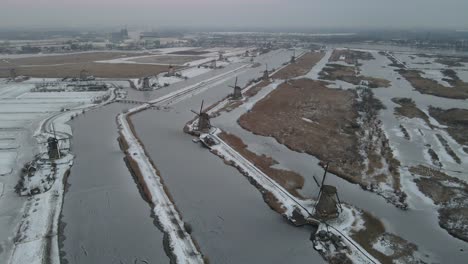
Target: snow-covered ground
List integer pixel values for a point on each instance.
(314, 73)
(232, 54)
(31, 235)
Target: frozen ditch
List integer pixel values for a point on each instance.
(214, 198)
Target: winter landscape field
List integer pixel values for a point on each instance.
(233, 132)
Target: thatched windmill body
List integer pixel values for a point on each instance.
(53, 146)
(237, 94)
(328, 203)
(266, 74)
(204, 124)
(293, 57)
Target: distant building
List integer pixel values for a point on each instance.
(119, 36)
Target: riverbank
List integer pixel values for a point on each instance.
(37, 235)
(182, 248)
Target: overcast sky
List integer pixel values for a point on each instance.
(236, 13)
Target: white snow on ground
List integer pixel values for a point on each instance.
(7, 161)
(40, 225)
(36, 234)
(437, 76)
(200, 61)
(195, 71)
(171, 50)
(383, 246)
(348, 221)
(314, 73)
(183, 248)
(308, 120)
(192, 89)
(263, 93)
(204, 58)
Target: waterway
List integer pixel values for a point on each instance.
(230, 220)
(105, 219)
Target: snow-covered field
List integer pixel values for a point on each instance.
(32, 235)
(20, 109)
(212, 54)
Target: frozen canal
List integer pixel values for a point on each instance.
(105, 218)
(230, 220)
(419, 224)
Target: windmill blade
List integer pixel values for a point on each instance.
(58, 151)
(201, 107)
(324, 175)
(339, 202)
(315, 179)
(193, 111)
(53, 129)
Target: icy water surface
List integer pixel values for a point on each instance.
(418, 225)
(105, 218)
(231, 222)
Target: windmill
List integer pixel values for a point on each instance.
(266, 74)
(84, 75)
(146, 83)
(13, 74)
(53, 145)
(293, 57)
(171, 71)
(204, 124)
(213, 64)
(220, 56)
(237, 95)
(328, 202)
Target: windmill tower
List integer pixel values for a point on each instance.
(53, 146)
(328, 202)
(266, 74)
(293, 57)
(84, 75)
(220, 56)
(171, 71)
(213, 64)
(146, 83)
(13, 74)
(204, 124)
(237, 94)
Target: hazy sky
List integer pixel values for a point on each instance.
(236, 13)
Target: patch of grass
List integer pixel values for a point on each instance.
(432, 87)
(409, 109)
